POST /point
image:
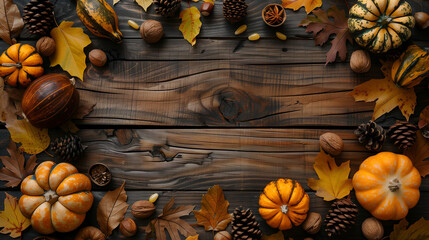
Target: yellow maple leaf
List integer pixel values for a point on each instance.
(34, 140)
(70, 42)
(334, 182)
(195, 237)
(309, 5)
(11, 219)
(191, 24)
(386, 94)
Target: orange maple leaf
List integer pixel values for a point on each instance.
(386, 94)
(418, 153)
(309, 5)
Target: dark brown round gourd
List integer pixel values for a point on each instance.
(50, 101)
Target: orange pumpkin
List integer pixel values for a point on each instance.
(55, 198)
(20, 64)
(284, 204)
(387, 185)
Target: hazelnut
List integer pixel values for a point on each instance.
(206, 9)
(372, 229)
(128, 227)
(142, 209)
(151, 31)
(223, 235)
(360, 61)
(97, 57)
(422, 19)
(331, 143)
(313, 223)
(46, 46)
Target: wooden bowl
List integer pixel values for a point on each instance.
(271, 6)
(98, 172)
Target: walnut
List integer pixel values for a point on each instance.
(331, 143)
(223, 235)
(46, 46)
(97, 57)
(151, 31)
(91, 233)
(313, 223)
(360, 61)
(128, 227)
(372, 229)
(422, 19)
(142, 209)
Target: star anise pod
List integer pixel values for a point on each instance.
(274, 15)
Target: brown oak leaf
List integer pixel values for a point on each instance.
(322, 28)
(309, 5)
(424, 117)
(14, 171)
(418, 153)
(111, 209)
(11, 22)
(214, 214)
(418, 230)
(170, 220)
(386, 94)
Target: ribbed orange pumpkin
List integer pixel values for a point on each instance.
(50, 101)
(387, 185)
(56, 198)
(20, 64)
(284, 204)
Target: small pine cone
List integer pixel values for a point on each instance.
(403, 134)
(167, 8)
(39, 17)
(67, 147)
(245, 226)
(341, 217)
(371, 135)
(234, 10)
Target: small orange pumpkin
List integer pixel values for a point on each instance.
(387, 185)
(20, 64)
(284, 204)
(55, 198)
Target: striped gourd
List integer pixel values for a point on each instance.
(100, 18)
(380, 25)
(411, 67)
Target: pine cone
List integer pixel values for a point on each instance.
(234, 10)
(371, 135)
(403, 134)
(39, 16)
(341, 217)
(167, 8)
(67, 147)
(244, 225)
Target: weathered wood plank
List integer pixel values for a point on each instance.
(236, 198)
(222, 93)
(214, 26)
(195, 159)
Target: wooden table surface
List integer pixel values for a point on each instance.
(176, 119)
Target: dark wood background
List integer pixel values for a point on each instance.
(176, 119)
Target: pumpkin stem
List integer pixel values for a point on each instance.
(17, 65)
(51, 196)
(284, 209)
(394, 185)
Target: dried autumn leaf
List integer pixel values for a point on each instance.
(334, 182)
(11, 219)
(85, 108)
(322, 27)
(145, 4)
(11, 22)
(14, 171)
(70, 42)
(309, 5)
(418, 230)
(214, 214)
(111, 210)
(424, 117)
(418, 153)
(276, 236)
(193, 237)
(170, 220)
(386, 94)
(191, 24)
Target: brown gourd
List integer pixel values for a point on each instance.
(100, 18)
(50, 101)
